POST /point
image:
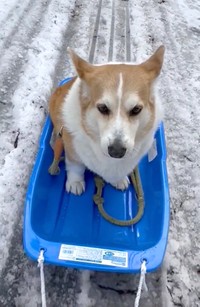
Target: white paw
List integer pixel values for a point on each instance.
(122, 185)
(75, 187)
(75, 179)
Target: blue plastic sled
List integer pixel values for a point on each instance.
(71, 230)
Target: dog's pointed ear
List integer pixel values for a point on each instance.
(154, 64)
(82, 67)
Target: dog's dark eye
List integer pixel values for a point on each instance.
(135, 111)
(103, 109)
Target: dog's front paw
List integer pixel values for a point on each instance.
(75, 179)
(75, 187)
(122, 184)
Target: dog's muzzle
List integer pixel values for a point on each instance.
(116, 149)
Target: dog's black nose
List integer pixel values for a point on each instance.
(116, 149)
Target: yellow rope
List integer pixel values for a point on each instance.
(98, 200)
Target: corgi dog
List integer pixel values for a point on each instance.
(107, 117)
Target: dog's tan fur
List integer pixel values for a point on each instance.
(55, 107)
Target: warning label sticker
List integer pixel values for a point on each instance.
(93, 255)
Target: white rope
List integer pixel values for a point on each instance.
(41, 266)
(142, 283)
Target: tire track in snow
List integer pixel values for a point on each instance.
(119, 49)
(76, 37)
(9, 30)
(103, 36)
(95, 34)
(9, 10)
(13, 56)
(141, 32)
(111, 42)
(128, 33)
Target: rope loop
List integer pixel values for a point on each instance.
(98, 200)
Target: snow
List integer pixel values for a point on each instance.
(29, 107)
(33, 50)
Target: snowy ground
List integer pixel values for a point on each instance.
(34, 36)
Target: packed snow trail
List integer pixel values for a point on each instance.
(33, 41)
